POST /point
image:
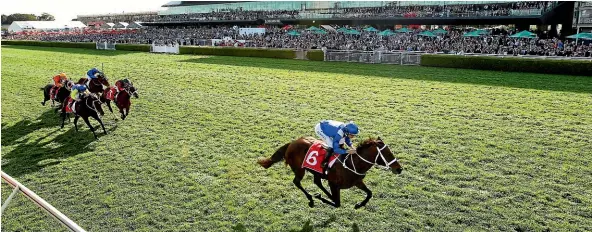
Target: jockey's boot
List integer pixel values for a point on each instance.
(325, 163)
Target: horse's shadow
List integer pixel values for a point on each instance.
(32, 154)
(307, 227)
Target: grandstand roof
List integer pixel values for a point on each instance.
(195, 3)
(17, 26)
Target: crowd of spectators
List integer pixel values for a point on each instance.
(464, 10)
(390, 10)
(495, 42)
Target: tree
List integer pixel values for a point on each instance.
(46, 17)
(4, 17)
(20, 17)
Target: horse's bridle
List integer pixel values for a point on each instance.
(375, 163)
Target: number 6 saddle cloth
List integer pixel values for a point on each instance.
(315, 156)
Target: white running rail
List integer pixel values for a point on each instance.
(72, 226)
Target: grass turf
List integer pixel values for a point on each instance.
(481, 150)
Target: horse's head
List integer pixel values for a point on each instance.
(129, 86)
(102, 78)
(133, 91)
(377, 151)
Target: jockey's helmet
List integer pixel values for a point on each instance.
(351, 128)
(63, 75)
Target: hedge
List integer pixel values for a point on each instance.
(231, 51)
(317, 55)
(133, 47)
(509, 64)
(49, 44)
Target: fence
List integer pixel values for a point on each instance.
(376, 57)
(18, 187)
(165, 48)
(106, 45)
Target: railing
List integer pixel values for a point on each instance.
(375, 57)
(72, 226)
(414, 58)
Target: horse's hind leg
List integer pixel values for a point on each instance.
(299, 174)
(100, 121)
(319, 183)
(363, 187)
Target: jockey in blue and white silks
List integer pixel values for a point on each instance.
(335, 134)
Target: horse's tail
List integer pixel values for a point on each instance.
(276, 157)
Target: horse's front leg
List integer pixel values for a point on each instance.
(122, 113)
(363, 187)
(335, 196)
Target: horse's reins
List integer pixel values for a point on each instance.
(379, 150)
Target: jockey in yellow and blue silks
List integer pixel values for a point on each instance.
(78, 90)
(335, 134)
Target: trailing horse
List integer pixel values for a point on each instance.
(89, 106)
(344, 174)
(60, 96)
(122, 99)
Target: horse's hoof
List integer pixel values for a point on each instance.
(318, 196)
(311, 204)
(357, 206)
(43, 103)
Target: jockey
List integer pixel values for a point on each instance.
(58, 82)
(78, 90)
(335, 134)
(91, 74)
(122, 84)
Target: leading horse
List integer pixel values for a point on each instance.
(122, 99)
(344, 174)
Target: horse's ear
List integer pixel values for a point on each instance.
(379, 139)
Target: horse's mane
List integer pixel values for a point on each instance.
(366, 143)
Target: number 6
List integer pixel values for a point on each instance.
(312, 159)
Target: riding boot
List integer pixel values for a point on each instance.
(325, 163)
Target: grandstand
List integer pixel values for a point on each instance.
(432, 26)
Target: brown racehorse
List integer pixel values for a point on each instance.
(95, 85)
(344, 174)
(61, 95)
(122, 99)
(89, 106)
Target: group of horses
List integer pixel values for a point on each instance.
(90, 105)
(345, 174)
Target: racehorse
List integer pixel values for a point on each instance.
(122, 99)
(96, 84)
(344, 174)
(89, 106)
(61, 95)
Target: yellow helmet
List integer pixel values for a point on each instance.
(63, 75)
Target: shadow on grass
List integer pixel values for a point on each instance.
(477, 77)
(32, 155)
(83, 51)
(307, 227)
